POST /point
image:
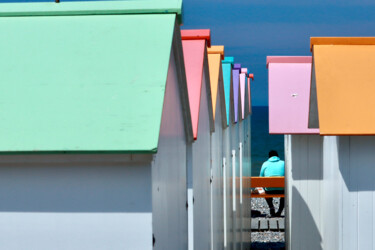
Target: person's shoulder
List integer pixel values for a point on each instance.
(265, 163)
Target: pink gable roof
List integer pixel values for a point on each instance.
(289, 94)
(243, 77)
(194, 45)
(251, 76)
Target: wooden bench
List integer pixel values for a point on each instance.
(269, 182)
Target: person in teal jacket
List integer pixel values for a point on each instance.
(273, 167)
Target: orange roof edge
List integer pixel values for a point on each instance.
(217, 49)
(341, 41)
(251, 76)
(197, 35)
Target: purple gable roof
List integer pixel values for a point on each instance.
(236, 84)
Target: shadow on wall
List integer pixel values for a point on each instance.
(307, 157)
(304, 232)
(356, 162)
(74, 187)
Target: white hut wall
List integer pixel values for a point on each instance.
(240, 177)
(235, 165)
(201, 152)
(349, 200)
(217, 179)
(331, 200)
(62, 201)
(304, 173)
(227, 176)
(169, 195)
(246, 169)
(235, 141)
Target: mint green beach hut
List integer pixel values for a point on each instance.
(95, 119)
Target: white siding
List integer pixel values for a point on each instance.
(235, 174)
(356, 189)
(217, 180)
(240, 182)
(190, 195)
(75, 202)
(343, 216)
(304, 172)
(228, 189)
(201, 177)
(331, 197)
(169, 172)
(246, 192)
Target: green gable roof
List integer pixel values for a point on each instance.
(92, 8)
(84, 83)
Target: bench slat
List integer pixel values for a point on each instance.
(252, 182)
(265, 196)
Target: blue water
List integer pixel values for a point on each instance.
(261, 141)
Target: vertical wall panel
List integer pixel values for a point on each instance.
(201, 176)
(235, 174)
(169, 172)
(228, 191)
(304, 178)
(217, 180)
(362, 160)
(349, 197)
(288, 189)
(75, 202)
(246, 216)
(331, 195)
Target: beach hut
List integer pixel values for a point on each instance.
(341, 107)
(228, 196)
(249, 79)
(246, 138)
(243, 88)
(289, 92)
(245, 165)
(215, 55)
(194, 43)
(236, 147)
(93, 149)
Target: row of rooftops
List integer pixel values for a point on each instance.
(328, 93)
(75, 82)
(195, 44)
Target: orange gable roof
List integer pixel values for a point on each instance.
(345, 85)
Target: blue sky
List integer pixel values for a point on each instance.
(253, 29)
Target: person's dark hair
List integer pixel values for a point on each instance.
(273, 153)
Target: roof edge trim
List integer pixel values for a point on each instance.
(228, 59)
(203, 34)
(216, 49)
(288, 59)
(47, 152)
(92, 8)
(341, 41)
(237, 66)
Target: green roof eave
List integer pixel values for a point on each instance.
(151, 151)
(92, 8)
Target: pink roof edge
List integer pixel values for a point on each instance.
(197, 35)
(288, 59)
